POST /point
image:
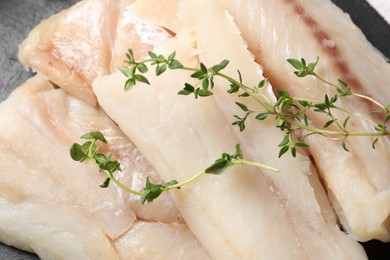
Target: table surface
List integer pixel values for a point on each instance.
(18, 17)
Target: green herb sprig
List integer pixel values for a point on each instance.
(89, 151)
(291, 113)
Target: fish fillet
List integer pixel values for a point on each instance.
(49, 197)
(144, 241)
(83, 42)
(262, 220)
(296, 181)
(358, 182)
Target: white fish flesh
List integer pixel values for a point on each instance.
(48, 197)
(163, 125)
(358, 182)
(88, 40)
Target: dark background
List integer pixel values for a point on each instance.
(18, 17)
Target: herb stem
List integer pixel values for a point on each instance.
(192, 179)
(265, 104)
(121, 185)
(371, 100)
(255, 164)
(325, 81)
(355, 115)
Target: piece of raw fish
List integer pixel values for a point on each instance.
(297, 182)
(83, 42)
(156, 240)
(181, 136)
(40, 123)
(52, 231)
(55, 232)
(357, 182)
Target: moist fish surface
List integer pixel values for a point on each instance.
(358, 181)
(49, 197)
(88, 40)
(267, 217)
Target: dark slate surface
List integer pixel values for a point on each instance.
(18, 17)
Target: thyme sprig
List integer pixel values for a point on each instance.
(291, 113)
(89, 151)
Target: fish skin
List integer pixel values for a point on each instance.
(304, 32)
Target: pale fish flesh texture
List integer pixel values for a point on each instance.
(156, 240)
(258, 222)
(40, 123)
(297, 183)
(87, 40)
(358, 182)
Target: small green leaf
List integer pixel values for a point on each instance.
(295, 63)
(217, 68)
(170, 183)
(283, 150)
(321, 106)
(346, 122)
(238, 152)
(304, 103)
(188, 89)
(328, 123)
(106, 183)
(172, 56)
(130, 56)
(77, 152)
(203, 68)
(301, 144)
(233, 88)
(160, 69)
(312, 66)
(344, 90)
(293, 152)
(141, 78)
(152, 191)
(244, 94)
(142, 67)
(152, 55)
(128, 72)
(240, 123)
(374, 142)
(218, 166)
(130, 83)
(175, 64)
(205, 84)
(305, 120)
(387, 118)
(239, 77)
(344, 145)
(242, 106)
(285, 141)
(204, 93)
(197, 74)
(96, 135)
(261, 116)
(262, 83)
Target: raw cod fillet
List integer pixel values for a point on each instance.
(267, 217)
(88, 40)
(48, 197)
(358, 182)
